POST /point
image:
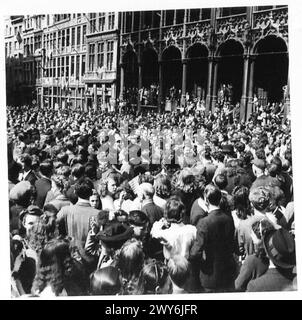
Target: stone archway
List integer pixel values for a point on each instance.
(197, 70)
(271, 68)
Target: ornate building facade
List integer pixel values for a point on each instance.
(62, 60)
(204, 52)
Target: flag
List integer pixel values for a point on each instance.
(18, 36)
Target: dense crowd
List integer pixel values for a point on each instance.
(212, 217)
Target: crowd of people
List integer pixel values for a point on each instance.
(216, 217)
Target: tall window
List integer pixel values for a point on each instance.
(67, 37)
(67, 66)
(147, 20)
(62, 67)
(100, 54)
(54, 67)
(59, 40)
(58, 68)
(156, 19)
(128, 17)
(180, 14)
(77, 66)
(194, 15)
(136, 21)
(78, 35)
(206, 14)
(63, 39)
(92, 22)
(84, 34)
(83, 64)
(169, 17)
(72, 66)
(91, 56)
(111, 21)
(109, 55)
(102, 18)
(72, 36)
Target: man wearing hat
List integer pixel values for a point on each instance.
(20, 198)
(280, 249)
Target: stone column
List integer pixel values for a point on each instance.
(95, 97)
(184, 81)
(244, 88)
(160, 83)
(209, 87)
(251, 87)
(139, 85)
(215, 76)
(122, 79)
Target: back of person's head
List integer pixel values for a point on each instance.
(26, 159)
(145, 178)
(179, 271)
(46, 168)
(147, 189)
(219, 156)
(162, 186)
(241, 201)
(64, 171)
(221, 181)
(277, 161)
(212, 194)
(78, 170)
(260, 198)
(260, 154)
(61, 182)
(186, 180)
(105, 281)
(91, 171)
(174, 210)
(83, 188)
(62, 157)
(131, 258)
(153, 278)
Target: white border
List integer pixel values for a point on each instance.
(68, 6)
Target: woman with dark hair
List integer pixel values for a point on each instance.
(57, 274)
(241, 204)
(130, 261)
(105, 281)
(154, 279)
(162, 187)
(257, 263)
(186, 188)
(175, 236)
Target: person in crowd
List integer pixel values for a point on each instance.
(73, 220)
(162, 187)
(95, 200)
(43, 184)
(280, 249)
(256, 264)
(130, 261)
(59, 187)
(108, 193)
(146, 194)
(214, 245)
(57, 273)
(105, 281)
(176, 237)
(27, 173)
(154, 279)
(20, 197)
(179, 271)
